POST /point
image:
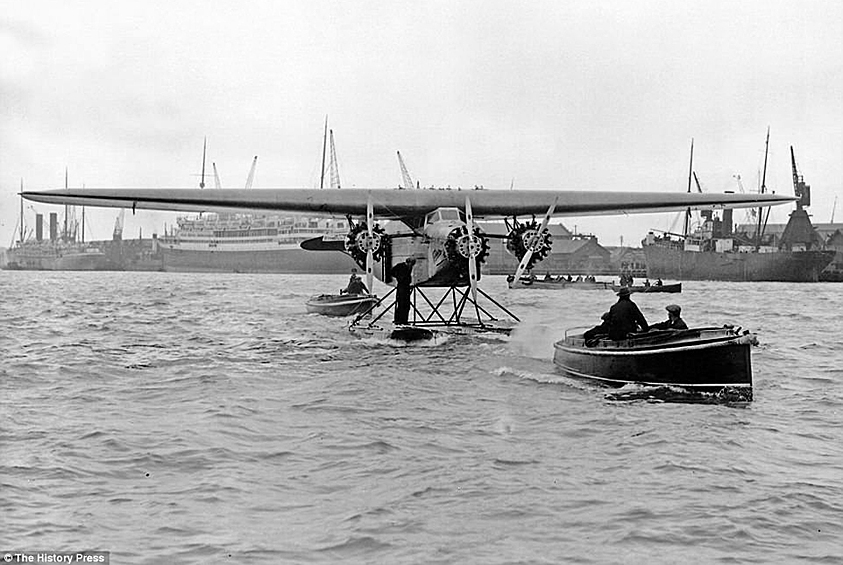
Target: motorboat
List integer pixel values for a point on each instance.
(704, 360)
(341, 304)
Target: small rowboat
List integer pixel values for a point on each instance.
(674, 287)
(340, 304)
(708, 360)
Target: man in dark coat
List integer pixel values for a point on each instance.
(595, 333)
(625, 317)
(674, 320)
(403, 275)
(355, 285)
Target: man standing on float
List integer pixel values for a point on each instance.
(403, 275)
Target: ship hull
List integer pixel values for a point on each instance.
(73, 261)
(290, 260)
(797, 266)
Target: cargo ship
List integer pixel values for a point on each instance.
(61, 252)
(717, 252)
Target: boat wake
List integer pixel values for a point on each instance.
(543, 377)
(679, 395)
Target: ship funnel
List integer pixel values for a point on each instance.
(39, 228)
(54, 226)
(727, 219)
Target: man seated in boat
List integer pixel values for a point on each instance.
(659, 282)
(355, 285)
(674, 320)
(625, 317)
(593, 335)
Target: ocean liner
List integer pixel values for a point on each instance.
(245, 243)
(716, 252)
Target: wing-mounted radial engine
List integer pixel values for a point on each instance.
(519, 238)
(359, 240)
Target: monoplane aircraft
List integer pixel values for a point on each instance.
(436, 227)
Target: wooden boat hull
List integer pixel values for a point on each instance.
(340, 304)
(701, 360)
(674, 287)
(558, 285)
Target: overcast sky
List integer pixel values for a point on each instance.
(542, 94)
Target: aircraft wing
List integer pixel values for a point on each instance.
(398, 204)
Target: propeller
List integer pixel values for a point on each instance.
(473, 249)
(370, 220)
(531, 247)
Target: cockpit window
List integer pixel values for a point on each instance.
(445, 214)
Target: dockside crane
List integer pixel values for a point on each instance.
(801, 190)
(333, 165)
(405, 174)
(117, 235)
(251, 178)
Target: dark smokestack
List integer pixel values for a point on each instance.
(727, 219)
(54, 226)
(39, 228)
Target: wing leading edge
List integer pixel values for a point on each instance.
(391, 203)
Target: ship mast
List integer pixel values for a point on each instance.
(204, 147)
(66, 208)
(759, 229)
(21, 212)
(688, 211)
(324, 147)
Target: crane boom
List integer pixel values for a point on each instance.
(405, 174)
(251, 178)
(800, 189)
(333, 166)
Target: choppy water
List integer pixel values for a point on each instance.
(182, 418)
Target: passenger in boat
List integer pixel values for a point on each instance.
(659, 282)
(625, 317)
(355, 284)
(403, 275)
(591, 336)
(673, 322)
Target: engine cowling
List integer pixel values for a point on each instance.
(519, 238)
(459, 247)
(357, 242)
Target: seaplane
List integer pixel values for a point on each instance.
(437, 227)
